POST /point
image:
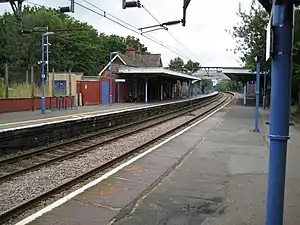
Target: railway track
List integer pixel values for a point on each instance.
(14, 166)
(5, 215)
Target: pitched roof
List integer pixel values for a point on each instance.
(150, 60)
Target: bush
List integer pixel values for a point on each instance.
(23, 90)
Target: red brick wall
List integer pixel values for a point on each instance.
(26, 104)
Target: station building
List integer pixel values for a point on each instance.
(135, 77)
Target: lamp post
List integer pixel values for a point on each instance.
(110, 76)
(264, 96)
(43, 108)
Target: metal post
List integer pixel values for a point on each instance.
(118, 92)
(110, 78)
(70, 83)
(264, 96)
(6, 80)
(257, 87)
(32, 86)
(173, 91)
(32, 81)
(280, 108)
(161, 91)
(27, 77)
(47, 54)
(146, 90)
(43, 108)
(245, 93)
(53, 82)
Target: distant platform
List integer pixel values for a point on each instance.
(29, 118)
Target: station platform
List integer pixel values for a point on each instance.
(214, 173)
(25, 118)
(16, 119)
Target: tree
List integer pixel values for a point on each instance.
(176, 64)
(229, 85)
(81, 49)
(250, 36)
(192, 66)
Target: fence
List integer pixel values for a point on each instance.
(20, 86)
(21, 83)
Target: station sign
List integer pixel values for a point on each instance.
(120, 80)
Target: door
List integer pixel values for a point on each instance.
(105, 92)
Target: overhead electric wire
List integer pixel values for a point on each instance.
(160, 24)
(137, 32)
(169, 32)
(62, 37)
(34, 3)
(97, 7)
(133, 28)
(151, 14)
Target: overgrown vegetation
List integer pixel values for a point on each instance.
(2, 87)
(229, 85)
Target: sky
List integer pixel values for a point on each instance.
(203, 39)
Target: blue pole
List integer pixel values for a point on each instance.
(264, 97)
(280, 108)
(257, 87)
(245, 93)
(146, 89)
(43, 108)
(110, 77)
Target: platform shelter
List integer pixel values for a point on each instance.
(151, 84)
(140, 77)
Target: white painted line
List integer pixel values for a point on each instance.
(92, 116)
(110, 173)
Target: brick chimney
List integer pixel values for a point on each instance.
(130, 51)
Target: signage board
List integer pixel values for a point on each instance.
(120, 80)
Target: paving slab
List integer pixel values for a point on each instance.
(222, 181)
(215, 173)
(119, 193)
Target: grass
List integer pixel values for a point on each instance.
(2, 87)
(24, 90)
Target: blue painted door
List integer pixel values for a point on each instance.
(105, 92)
(60, 87)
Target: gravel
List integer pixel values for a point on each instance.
(14, 192)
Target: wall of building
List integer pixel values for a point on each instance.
(71, 80)
(27, 104)
(91, 91)
(115, 66)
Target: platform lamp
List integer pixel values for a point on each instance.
(43, 108)
(110, 76)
